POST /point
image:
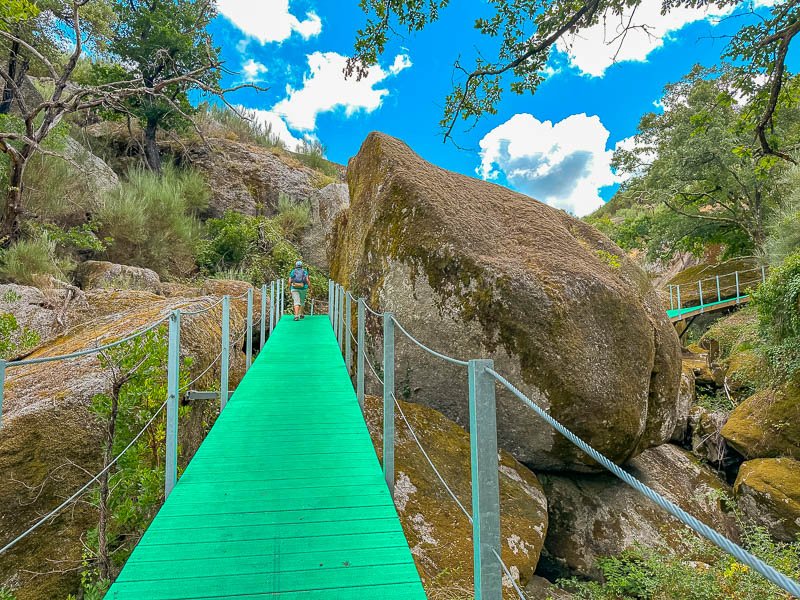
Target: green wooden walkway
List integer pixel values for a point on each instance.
(285, 498)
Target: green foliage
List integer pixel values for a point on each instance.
(14, 341)
(312, 154)
(244, 127)
(150, 220)
(232, 239)
(6, 594)
(703, 573)
(13, 12)
(612, 260)
(293, 217)
(55, 191)
(784, 225)
(27, 261)
(778, 304)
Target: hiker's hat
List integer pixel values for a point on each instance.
(299, 263)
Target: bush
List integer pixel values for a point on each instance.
(28, 261)
(784, 226)
(312, 154)
(232, 238)
(150, 220)
(293, 217)
(54, 191)
(244, 127)
(15, 340)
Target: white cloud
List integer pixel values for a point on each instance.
(253, 70)
(278, 125)
(595, 49)
(268, 20)
(325, 89)
(562, 164)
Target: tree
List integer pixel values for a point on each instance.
(525, 32)
(162, 40)
(698, 174)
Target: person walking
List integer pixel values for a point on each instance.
(298, 281)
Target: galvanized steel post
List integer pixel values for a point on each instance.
(249, 331)
(360, 350)
(348, 326)
(271, 306)
(336, 309)
(737, 287)
(388, 400)
(763, 274)
(678, 288)
(340, 319)
(719, 292)
(173, 380)
(671, 300)
(2, 388)
(262, 332)
(281, 299)
(226, 352)
(700, 287)
(485, 482)
(330, 301)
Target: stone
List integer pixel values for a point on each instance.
(476, 270)
(50, 443)
(705, 437)
(592, 516)
(439, 534)
(767, 424)
(100, 274)
(326, 204)
(686, 398)
(539, 588)
(768, 494)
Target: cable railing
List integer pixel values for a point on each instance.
(715, 291)
(485, 515)
(270, 293)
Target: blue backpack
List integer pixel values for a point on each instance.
(298, 276)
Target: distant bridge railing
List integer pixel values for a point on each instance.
(711, 293)
(272, 293)
(482, 377)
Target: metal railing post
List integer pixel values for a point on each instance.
(2, 388)
(348, 326)
(485, 481)
(700, 287)
(262, 330)
(678, 288)
(330, 301)
(388, 400)
(671, 298)
(362, 314)
(173, 381)
(763, 274)
(226, 352)
(340, 319)
(335, 309)
(271, 306)
(737, 287)
(281, 299)
(249, 332)
(719, 292)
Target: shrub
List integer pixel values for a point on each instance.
(312, 154)
(27, 261)
(293, 217)
(54, 191)
(14, 340)
(244, 126)
(150, 221)
(232, 238)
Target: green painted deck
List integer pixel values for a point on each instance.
(285, 498)
(679, 314)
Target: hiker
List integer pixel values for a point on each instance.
(298, 281)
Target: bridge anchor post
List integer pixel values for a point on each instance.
(388, 400)
(173, 382)
(485, 481)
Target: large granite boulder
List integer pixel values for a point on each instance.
(686, 398)
(768, 491)
(100, 274)
(767, 424)
(326, 204)
(50, 442)
(438, 532)
(593, 516)
(476, 270)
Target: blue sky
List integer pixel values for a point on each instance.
(555, 145)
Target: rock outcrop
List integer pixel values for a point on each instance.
(476, 270)
(326, 204)
(438, 532)
(766, 425)
(768, 491)
(592, 516)
(686, 398)
(50, 440)
(704, 437)
(100, 274)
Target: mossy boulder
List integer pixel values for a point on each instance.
(438, 532)
(768, 491)
(593, 516)
(749, 277)
(100, 274)
(767, 424)
(686, 398)
(50, 442)
(476, 270)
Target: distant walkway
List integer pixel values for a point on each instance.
(688, 300)
(285, 498)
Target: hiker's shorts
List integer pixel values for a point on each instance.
(299, 297)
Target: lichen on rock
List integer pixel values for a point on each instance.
(768, 493)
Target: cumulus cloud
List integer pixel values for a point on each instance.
(253, 70)
(325, 89)
(563, 164)
(595, 49)
(268, 20)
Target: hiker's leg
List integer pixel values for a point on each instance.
(296, 303)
